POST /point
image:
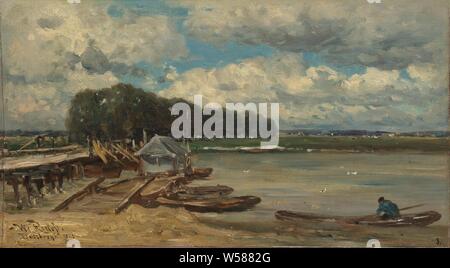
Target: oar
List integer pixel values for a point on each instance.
(415, 206)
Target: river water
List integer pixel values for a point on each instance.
(331, 183)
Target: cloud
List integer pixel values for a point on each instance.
(39, 34)
(391, 35)
(318, 96)
(94, 61)
(53, 49)
(43, 106)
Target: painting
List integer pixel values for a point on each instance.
(251, 123)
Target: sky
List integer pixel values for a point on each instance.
(330, 64)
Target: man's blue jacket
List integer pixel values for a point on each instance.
(388, 208)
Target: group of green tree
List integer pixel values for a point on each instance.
(121, 111)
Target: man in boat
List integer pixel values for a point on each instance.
(387, 209)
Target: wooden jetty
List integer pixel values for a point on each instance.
(34, 171)
(64, 149)
(17, 164)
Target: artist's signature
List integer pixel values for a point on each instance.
(32, 230)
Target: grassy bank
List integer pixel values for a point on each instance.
(336, 143)
(355, 143)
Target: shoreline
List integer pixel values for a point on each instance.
(256, 150)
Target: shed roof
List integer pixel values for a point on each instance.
(162, 146)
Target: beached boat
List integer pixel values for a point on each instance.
(200, 192)
(413, 219)
(239, 203)
(100, 170)
(202, 172)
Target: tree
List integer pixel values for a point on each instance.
(121, 111)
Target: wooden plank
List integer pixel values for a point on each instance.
(163, 191)
(106, 188)
(88, 189)
(125, 151)
(99, 152)
(119, 151)
(104, 149)
(27, 144)
(132, 196)
(32, 162)
(67, 148)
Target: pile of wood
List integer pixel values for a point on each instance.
(114, 158)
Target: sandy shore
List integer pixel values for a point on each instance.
(175, 227)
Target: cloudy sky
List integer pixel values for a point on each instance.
(330, 64)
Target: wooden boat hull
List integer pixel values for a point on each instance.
(416, 219)
(240, 203)
(185, 193)
(99, 170)
(93, 171)
(202, 172)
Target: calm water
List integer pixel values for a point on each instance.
(329, 183)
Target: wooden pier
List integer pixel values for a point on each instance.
(35, 171)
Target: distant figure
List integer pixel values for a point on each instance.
(387, 209)
(38, 140)
(89, 144)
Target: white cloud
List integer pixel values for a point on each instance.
(320, 96)
(44, 105)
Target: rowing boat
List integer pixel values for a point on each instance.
(413, 219)
(202, 172)
(239, 203)
(184, 193)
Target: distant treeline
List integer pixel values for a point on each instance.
(318, 132)
(308, 132)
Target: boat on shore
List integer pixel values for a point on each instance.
(412, 219)
(202, 172)
(197, 193)
(96, 170)
(239, 203)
